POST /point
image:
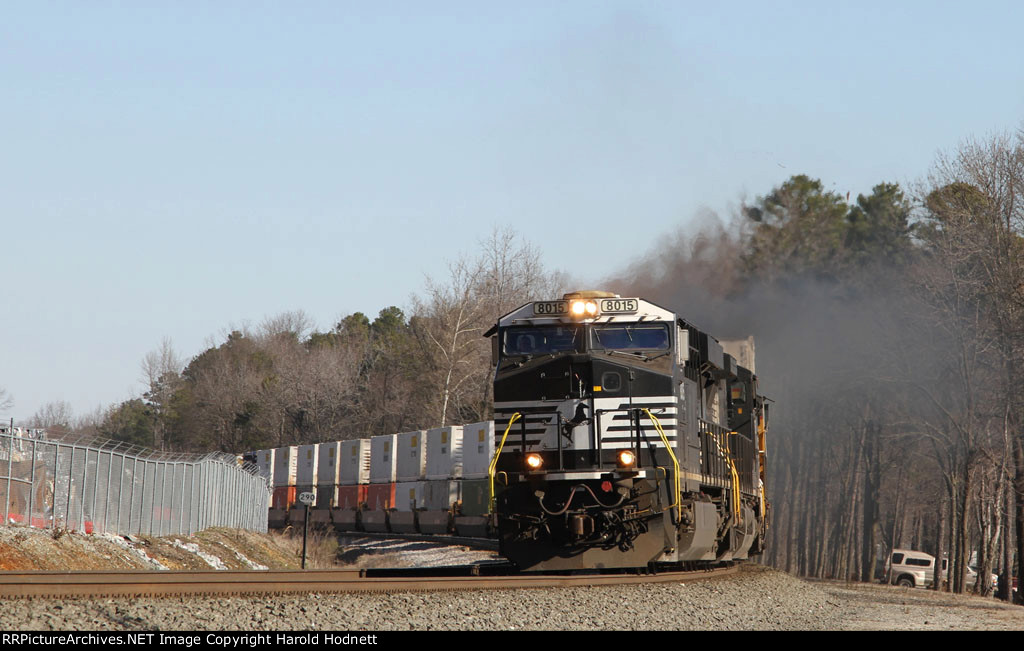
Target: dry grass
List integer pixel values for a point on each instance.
(322, 548)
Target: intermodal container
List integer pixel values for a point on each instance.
(412, 456)
(444, 453)
(477, 449)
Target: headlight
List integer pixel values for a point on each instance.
(534, 461)
(627, 459)
(583, 309)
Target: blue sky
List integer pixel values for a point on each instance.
(175, 169)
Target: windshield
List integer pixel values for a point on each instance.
(631, 336)
(541, 340)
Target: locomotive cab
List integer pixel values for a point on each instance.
(613, 417)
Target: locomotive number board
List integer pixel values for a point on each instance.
(619, 305)
(550, 308)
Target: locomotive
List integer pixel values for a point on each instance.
(626, 437)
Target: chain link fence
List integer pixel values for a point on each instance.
(100, 486)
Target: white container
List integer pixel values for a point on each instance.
(444, 452)
(410, 496)
(412, 456)
(382, 459)
(285, 465)
(354, 462)
(305, 473)
(478, 446)
(329, 464)
(265, 463)
(442, 495)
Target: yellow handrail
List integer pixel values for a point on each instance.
(494, 462)
(735, 481)
(761, 455)
(727, 453)
(675, 461)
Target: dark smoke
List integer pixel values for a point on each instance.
(829, 353)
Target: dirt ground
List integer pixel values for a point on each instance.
(25, 548)
(874, 607)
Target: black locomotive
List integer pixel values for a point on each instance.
(626, 436)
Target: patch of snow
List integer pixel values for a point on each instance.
(210, 559)
(141, 553)
(240, 556)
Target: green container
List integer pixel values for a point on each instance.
(476, 495)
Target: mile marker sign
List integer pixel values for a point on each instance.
(307, 498)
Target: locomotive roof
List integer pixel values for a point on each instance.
(621, 309)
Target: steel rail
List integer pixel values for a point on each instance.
(113, 583)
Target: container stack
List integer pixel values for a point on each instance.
(353, 484)
(305, 480)
(285, 462)
(425, 481)
(410, 471)
(444, 472)
(478, 447)
(327, 472)
(380, 495)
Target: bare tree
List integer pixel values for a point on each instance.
(6, 400)
(161, 369)
(975, 205)
(450, 323)
(56, 417)
(296, 323)
(451, 318)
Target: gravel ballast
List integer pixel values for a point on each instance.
(757, 598)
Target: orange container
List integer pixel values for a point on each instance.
(283, 498)
(350, 497)
(380, 497)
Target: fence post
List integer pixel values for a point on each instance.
(71, 472)
(181, 502)
(131, 492)
(10, 471)
(32, 485)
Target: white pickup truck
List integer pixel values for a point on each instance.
(914, 569)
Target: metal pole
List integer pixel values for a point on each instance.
(120, 491)
(142, 502)
(305, 533)
(181, 502)
(163, 495)
(191, 494)
(53, 495)
(95, 485)
(204, 506)
(106, 496)
(32, 485)
(131, 492)
(71, 471)
(10, 471)
(85, 481)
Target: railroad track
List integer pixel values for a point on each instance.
(110, 583)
